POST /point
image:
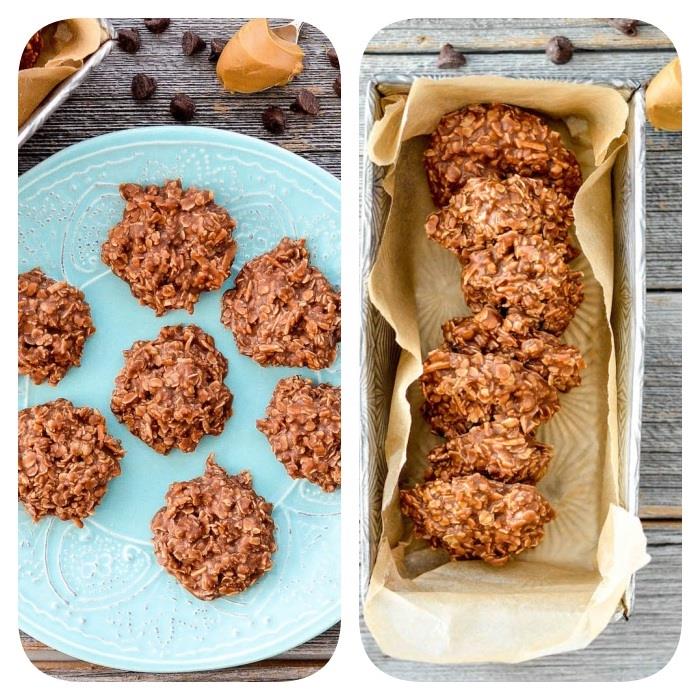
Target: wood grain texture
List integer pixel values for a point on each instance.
(641, 646)
(103, 104)
(296, 663)
(660, 483)
(270, 670)
(625, 650)
(501, 35)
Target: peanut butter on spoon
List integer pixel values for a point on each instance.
(257, 58)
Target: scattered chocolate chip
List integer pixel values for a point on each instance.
(182, 107)
(128, 40)
(274, 120)
(450, 58)
(559, 50)
(333, 57)
(157, 26)
(143, 86)
(217, 46)
(336, 85)
(626, 26)
(192, 43)
(306, 102)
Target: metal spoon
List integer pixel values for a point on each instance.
(290, 31)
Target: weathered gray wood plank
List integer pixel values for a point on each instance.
(501, 34)
(626, 650)
(585, 65)
(660, 485)
(104, 102)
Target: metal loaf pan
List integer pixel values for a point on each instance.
(380, 353)
(63, 90)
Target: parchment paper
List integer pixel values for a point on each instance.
(561, 595)
(66, 44)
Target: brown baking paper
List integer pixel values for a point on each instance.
(559, 596)
(66, 44)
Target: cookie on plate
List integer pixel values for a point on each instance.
(171, 392)
(303, 427)
(214, 534)
(66, 459)
(53, 323)
(282, 311)
(171, 245)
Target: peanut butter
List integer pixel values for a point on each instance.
(256, 59)
(664, 98)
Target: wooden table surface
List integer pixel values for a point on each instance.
(103, 103)
(515, 47)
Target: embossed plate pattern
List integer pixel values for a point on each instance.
(97, 593)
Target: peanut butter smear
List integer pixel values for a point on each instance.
(256, 59)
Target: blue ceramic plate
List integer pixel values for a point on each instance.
(97, 593)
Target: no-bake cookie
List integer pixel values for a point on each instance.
(473, 517)
(283, 311)
(65, 460)
(171, 392)
(499, 450)
(171, 245)
(462, 391)
(53, 323)
(487, 207)
(215, 534)
(497, 139)
(513, 335)
(527, 273)
(302, 425)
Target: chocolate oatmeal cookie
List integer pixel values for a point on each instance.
(462, 391)
(497, 139)
(171, 245)
(526, 273)
(499, 450)
(53, 323)
(171, 391)
(65, 460)
(473, 517)
(513, 335)
(303, 427)
(283, 311)
(215, 535)
(487, 207)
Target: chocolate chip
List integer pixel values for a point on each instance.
(306, 102)
(157, 26)
(450, 58)
(559, 50)
(336, 85)
(217, 46)
(143, 86)
(626, 26)
(128, 40)
(192, 43)
(333, 57)
(182, 107)
(274, 120)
